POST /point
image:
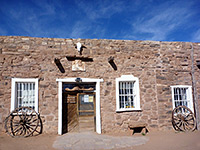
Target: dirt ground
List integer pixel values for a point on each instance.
(171, 140)
(40, 142)
(157, 141)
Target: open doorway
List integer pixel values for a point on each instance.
(78, 107)
(96, 82)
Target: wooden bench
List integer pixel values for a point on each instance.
(135, 125)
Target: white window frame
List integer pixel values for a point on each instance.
(189, 95)
(127, 78)
(13, 91)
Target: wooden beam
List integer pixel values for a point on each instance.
(112, 63)
(72, 58)
(59, 65)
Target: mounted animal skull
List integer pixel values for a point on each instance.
(78, 46)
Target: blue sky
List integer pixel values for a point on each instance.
(159, 20)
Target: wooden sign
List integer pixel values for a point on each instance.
(71, 99)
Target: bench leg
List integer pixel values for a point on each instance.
(144, 131)
(133, 132)
(130, 131)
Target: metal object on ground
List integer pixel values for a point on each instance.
(23, 122)
(183, 119)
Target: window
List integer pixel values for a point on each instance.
(24, 93)
(182, 95)
(127, 93)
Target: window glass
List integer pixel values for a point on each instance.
(25, 94)
(127, 93)
(182, 96)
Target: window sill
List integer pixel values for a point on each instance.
(127, 110)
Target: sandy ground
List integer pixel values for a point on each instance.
(171, 140)
(157, 141)
(40, 142)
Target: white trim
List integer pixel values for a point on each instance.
(189, 94)
(98, 113)
(13, 91)
(136, 89)
(181, 86)
(60, 107)
(82, 79)
(36, 95)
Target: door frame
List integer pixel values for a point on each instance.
(97, 95)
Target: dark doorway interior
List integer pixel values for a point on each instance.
(78, 103)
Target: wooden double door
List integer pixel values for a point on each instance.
(79, 112)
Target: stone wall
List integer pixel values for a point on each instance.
(158, 65)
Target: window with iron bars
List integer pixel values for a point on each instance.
(127, 93)
(24, 93)
(182, 96)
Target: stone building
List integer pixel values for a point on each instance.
(114, 81)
